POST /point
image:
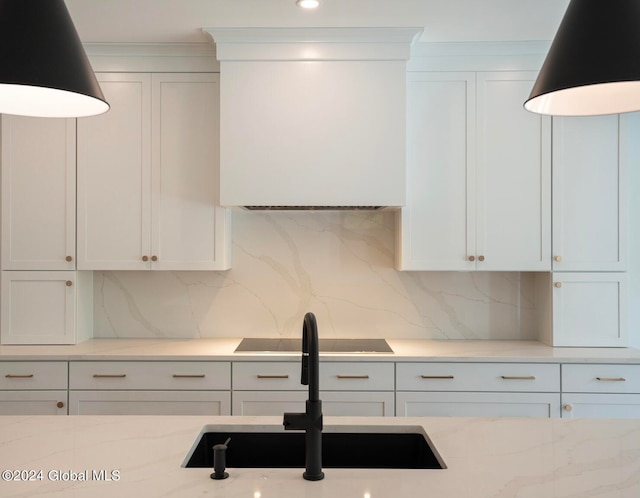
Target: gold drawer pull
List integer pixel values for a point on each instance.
(437, 376)
(516, 377)
(262, 376)
(109, 376)
(611, 379)
(352, 376)
(188, 376)
(19, 376)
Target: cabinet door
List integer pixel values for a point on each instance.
(38, 193)
(589, 309)
(437, 226)
(114, 185)
(189, 229)
(38, 307)
(33, 402)
(443, 404)
(513, 196)
(600, 405)
(590, 202)
(149, 403)
(360, 404)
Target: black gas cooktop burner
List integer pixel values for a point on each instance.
(268, 345)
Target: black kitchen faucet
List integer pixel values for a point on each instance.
(311, 420)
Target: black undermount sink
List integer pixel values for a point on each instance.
(340, 449)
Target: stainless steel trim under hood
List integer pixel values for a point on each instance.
(313, 118)
(313, 208)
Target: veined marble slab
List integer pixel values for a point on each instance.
(485, 458)
(340, 265)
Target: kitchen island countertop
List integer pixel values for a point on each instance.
(132, 456)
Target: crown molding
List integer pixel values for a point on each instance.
(152, 57)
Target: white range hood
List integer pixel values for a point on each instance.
(312, 117)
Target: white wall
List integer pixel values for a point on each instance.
(338, 265)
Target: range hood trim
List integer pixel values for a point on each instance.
(272, 44)
(270, 156)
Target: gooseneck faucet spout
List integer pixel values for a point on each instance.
(311, 420)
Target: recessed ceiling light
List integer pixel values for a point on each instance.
(308, 4)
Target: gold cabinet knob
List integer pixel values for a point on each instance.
(154, 258)
(68, 283)
(567, 407)
(472, 258)
(145, 258)
(558, 258)
(69, 258)
(480, 258)
(558, 284)
(60, 404)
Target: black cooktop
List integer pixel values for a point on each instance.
(267, 345)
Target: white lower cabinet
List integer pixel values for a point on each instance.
(346, 388)
(33, 388)
(149, 403)
(367, 388)
(33, 402)
(600, 405)
(149, 388)
(477, 404)
(478, 389)
(601, 391)
(334, 403)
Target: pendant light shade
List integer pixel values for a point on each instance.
(44, 70)
(593, 65)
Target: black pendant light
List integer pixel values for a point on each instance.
(44, 70)
(593, 65)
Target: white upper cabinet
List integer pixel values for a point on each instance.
(114, 177)
(589, 310)
(590, 204)
(190, 230)
(437, 227)
(479, 185)
(513, 208)
(46, 307)
(148, 176)
(38, 193)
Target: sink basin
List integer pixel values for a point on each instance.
(389, 447)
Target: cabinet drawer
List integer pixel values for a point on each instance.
(334, 403)
(267, 376)
(21, 375)
(476, 404)
(601, 378)
(357, 376)
(170, 375)
(149, 403)
(507, 377)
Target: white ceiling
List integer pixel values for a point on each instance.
(178, 21)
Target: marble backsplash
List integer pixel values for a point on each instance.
(338, 265)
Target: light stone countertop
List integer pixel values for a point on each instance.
(404, 350)
(486, 458)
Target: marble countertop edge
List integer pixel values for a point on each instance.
(405, 350)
